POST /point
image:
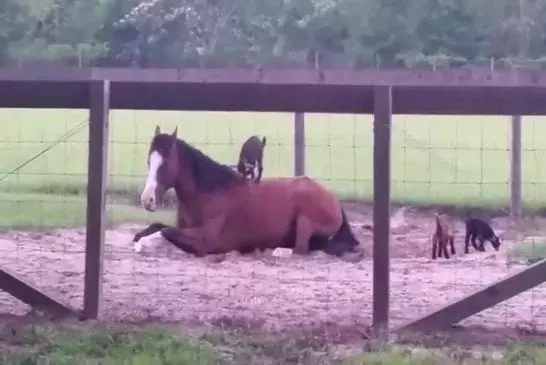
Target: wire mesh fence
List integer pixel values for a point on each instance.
(461, 161)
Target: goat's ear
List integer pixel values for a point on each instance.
(175, 133)
(157, 130)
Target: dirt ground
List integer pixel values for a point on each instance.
(274, 293)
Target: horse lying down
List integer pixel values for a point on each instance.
(220, 211)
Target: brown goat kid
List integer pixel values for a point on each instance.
(443, 235)
(251, 157)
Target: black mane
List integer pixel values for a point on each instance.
(208, 174)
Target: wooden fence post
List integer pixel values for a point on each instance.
(381, 206)
(99, 110)
(516, 206)
(299, 144)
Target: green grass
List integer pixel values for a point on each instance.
(515, 355)
(108, 346)
(531, 251)
(60, 344)
(436, 160)
(31, 211)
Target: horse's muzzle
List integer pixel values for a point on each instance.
(150, 207)
(149, 203)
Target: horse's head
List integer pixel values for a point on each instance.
(163, 168)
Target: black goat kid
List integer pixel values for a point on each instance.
(251, 157)
(477, 228)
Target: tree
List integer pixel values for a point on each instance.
(449, 27)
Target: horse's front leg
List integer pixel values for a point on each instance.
(148, 231)
(186, 240)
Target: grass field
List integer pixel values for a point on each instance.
(436, 160)
(51, 344)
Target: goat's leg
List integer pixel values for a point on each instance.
(260, 170)
(466, 243)
(476, 247)
(444, 247)
(434, 246)
(452, 244)
(482, 242)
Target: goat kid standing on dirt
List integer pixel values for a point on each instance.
(251, 157)
(443, 235)
(477, 228)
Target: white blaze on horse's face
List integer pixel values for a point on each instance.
(148, 196)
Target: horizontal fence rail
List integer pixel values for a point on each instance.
(324, 91)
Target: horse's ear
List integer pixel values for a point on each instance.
(175, 133)
(157, 129)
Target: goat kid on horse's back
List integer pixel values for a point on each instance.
(251, 158)
(219, 211)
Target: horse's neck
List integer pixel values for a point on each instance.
(199, 207)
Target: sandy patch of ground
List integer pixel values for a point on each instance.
(274, 293)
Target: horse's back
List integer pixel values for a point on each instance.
(267, 215)
(279, 201)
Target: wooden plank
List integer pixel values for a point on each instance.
(381, 205)
(38, 94)
(516, 206)
(34, 297)
(54, 73)
(485, 298)
(257, 96)
(326, 98)
(299, 144)
(441, 77)
(96, 195)
(468, 100)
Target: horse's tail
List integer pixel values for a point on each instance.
(264, 141)
(345, 233)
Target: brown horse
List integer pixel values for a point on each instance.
(219, 211)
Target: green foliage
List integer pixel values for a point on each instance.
(329, 33)
(530, 251)
(72, 343)
(113, 346)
